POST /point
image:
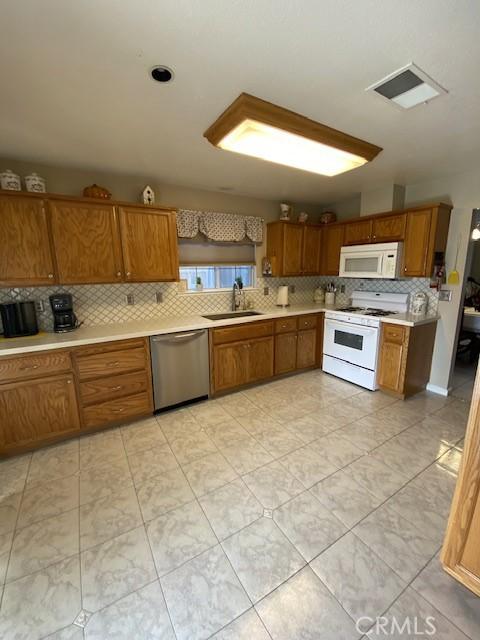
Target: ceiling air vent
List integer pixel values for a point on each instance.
(407, 87)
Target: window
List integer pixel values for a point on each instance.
(218, 276)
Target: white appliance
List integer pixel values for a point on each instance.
(383, 260)
(351, 336)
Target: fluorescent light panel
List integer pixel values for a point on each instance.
(263, 130)
(260, 140)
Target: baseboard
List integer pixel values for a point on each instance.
(436, 389)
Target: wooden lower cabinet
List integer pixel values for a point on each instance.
(405, 358)
(229, 366)
(461, 549)
(37, 411)
(56, 394)
(285, 352)
(306, 349)
(238, 359)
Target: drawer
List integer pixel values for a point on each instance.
(105, 347)
(111, 363)
(34, 365)
(394, 333)
(307, 322)
(285, 325)
(102, 389)
(242, 332)
(117, 410)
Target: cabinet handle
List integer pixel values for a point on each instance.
(118, 410)
(404, 268)
(113, 364)
(50, 275)
(128, 274)
(29, 366)
(115, 388)
(119, 273)
(69, 382)
(374, 237)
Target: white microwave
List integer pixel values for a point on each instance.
(383, 260)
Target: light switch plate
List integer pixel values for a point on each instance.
(40, 306)
(130, 298)
(159, 297)
(266, 291)
(445, 295)
(292, 288)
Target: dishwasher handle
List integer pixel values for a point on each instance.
(178, 337)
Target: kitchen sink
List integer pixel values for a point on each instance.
(233, 314)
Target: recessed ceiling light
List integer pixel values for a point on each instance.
(257, 128)
(407, 87)
(161, 73)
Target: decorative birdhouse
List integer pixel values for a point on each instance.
(148, 195)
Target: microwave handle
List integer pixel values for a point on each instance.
(382, 256)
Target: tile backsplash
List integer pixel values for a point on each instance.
(106, 304)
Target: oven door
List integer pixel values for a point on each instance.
(352, 343)
(361, 264)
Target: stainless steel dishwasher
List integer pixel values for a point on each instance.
(180, 367)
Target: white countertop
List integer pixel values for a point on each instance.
(158, 326)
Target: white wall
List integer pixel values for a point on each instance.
(386, 198)
(463, 191)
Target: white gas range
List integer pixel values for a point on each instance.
(351, 337)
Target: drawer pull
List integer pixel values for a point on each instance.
(29, 366)
(118, 410)
(115, 388)
(113, 364)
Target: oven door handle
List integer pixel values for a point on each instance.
(353, 327)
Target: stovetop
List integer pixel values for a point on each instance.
(367, 311)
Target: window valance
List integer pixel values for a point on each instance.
(219, 227)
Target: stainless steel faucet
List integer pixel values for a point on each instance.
(235, 298)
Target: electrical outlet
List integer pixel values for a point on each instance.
(130, 298)
(342, 288)
(159, 297)
(266, 291)
(445, 295)
(292, 288)
(40, 306)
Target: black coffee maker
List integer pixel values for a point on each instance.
(63, 317)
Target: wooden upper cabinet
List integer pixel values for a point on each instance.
(332, 242)
(389, 228)
(292, 249)
(358, 232)
(417, 238)
(25, 245)
(312, 237)
(86, 241)
(149, 242)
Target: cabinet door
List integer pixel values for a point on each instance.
(25, 253)
(332, 242)
(285, 352)
(391, 370)
(311, 250)
(149, 242)
(35, 411)
(230, 362)
(306, 348)
(260, 359)
(87, 242)
(417, 235)
(358, 232)
(292, 249)
(389, 229)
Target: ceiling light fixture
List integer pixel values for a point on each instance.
(257, 128)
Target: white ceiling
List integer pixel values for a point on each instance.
(75, 88)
